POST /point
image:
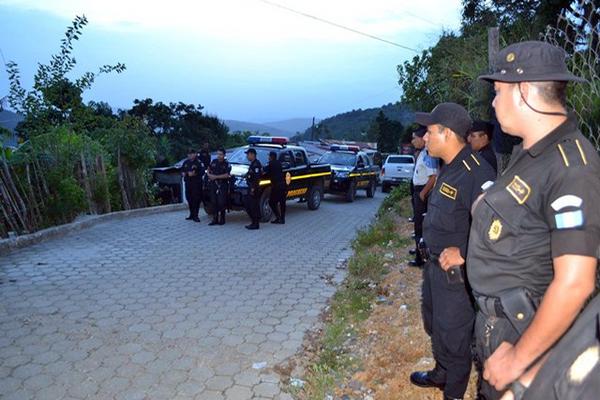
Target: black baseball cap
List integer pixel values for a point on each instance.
(191, 151)
(250, 150)
(531, 61)
(451, 115)
(420, 131)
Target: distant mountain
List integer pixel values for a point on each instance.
(242, 126)
(353, 124)
(293, 125)
(10, 120)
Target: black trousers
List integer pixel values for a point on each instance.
(253, 207)
(490, 332)
(419, 208)
(277, 199)
(193, 195)
(448, 317)
(218, 199)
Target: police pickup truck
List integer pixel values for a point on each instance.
(304, 180)
(351, 170)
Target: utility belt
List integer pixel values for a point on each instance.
(516, 305)
(454, 275)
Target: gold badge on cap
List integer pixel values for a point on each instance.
(510, 57)
(495, 230)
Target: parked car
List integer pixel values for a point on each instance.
(397, 168)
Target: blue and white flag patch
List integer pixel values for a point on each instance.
(569, 219)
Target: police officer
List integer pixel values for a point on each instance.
(536, 232)
(205, 154)
(448, 313)
(192, 171)
(218, 176)
(253, 196)
(274, 172)
(480, 139)
(426, 169)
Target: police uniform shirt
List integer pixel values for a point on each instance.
(275, 173)
(487, 153)
(448, 216)
(192, 166)
(254, 173)
(219, 168)
(544, 205)
(425, 166)
(205, 156)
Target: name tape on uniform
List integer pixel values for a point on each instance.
(448, 191)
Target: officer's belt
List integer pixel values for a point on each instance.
(490, 306)
(516, 304)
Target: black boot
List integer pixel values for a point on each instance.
(425, 379)
(222, 218)
(215, 220)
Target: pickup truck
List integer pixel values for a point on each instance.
(304, 180)
(351, 170)
(397, 168)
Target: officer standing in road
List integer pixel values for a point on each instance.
(535, 236)
(274, 172)
(205, 154)
(218, 176)
(192, 172)
(426, 169)
(448, 313)
(253, 197)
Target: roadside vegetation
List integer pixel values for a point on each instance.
(374, 252)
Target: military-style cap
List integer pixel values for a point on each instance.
(250, 150)
(531, 61)
(420, 131)
(450, 115)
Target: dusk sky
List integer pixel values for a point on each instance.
(240, 59)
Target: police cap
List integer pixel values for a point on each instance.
(251, 151)
(450, 115)
(531, 61)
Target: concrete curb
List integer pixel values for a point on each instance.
(7, 245)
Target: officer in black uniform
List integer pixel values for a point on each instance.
(448, 313)
(253, 196)
(535, 235)
(274, 172)
(480, 139)
(205, 154)
(218, 176)
(192, 171)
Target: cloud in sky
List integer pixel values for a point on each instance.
(242, 59)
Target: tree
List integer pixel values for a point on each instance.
(386, 133)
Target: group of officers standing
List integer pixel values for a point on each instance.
(201, 174)
(509, 260)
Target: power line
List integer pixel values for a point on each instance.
(337, 25)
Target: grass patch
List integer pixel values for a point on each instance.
(398, 201)
(353, 301)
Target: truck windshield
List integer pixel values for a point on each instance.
(335, 158)
(262, 153)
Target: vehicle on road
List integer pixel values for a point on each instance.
(351, 170)
(304, 179)
(397, 168)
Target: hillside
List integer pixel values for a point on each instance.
(351, 125)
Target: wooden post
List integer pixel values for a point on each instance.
(493, 46)
(86, 184)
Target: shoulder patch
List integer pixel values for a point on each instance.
(448, 191)
(567, 200)
(519, 189)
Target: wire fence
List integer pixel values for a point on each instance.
(577, 31)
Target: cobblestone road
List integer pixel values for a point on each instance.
(157, 307)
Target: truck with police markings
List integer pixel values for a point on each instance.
(351, 170)
(304, 180)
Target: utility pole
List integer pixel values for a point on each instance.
(493, 50)
(312, 130)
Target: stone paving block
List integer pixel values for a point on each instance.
(106, 317)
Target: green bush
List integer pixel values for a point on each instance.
(66, 200)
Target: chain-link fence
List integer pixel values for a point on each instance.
(578, 32)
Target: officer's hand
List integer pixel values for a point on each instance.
(502, 367)
(422, 195)
(451, 257)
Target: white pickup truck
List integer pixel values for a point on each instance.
(397, 168)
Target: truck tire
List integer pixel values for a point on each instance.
(371, 188)
(265, 209)
(314, 196)
(351, 192)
